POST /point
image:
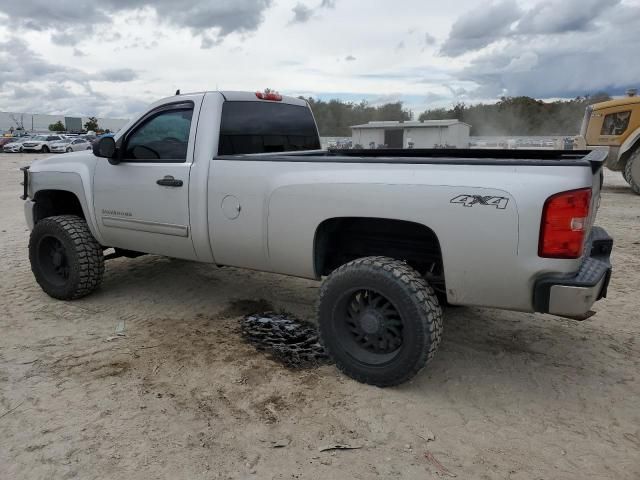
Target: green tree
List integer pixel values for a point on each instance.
(57, 127)
(335, 117)
(520, 115)
(91, 124)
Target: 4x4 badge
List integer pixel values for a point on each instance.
(471, 200)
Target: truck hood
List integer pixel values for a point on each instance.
(68, 162)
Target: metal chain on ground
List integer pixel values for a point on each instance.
(289, 340)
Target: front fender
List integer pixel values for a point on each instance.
(72, 172)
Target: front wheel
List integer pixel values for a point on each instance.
(45, 149)
(69, 150)
(66, 260)
(379, 320)
(632, 171)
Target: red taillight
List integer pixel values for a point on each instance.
(269, 95)
(564, 222)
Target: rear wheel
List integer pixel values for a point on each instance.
(45, 149)
(66, 260)
(632, 171)
(379, 320)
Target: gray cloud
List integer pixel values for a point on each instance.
(30, 83)
(301, 13)
(59, 99)
(64, 38)
(25, 66)
(350, 58)
(563, 16)
(43, 15)
(559, 65)
(429, 39)
(207, 42)
(559, 48)
(200, 16)
(480, 27)
(117, 75)
(227, 16)
(431, 97)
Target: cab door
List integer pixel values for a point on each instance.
(142, 203)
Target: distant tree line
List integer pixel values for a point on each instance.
(90, 125)
(335, 117)
(520, 115)
(508, 116)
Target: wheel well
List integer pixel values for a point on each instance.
(340, 240)
(56, 202)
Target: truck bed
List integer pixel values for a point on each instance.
(593, 158)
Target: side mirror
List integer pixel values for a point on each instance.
(105, 148)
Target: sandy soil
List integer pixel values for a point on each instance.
(509, 396)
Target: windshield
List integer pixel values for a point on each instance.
(39, 138)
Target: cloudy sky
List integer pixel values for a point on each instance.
(111, 58)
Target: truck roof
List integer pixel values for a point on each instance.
(236, 96)
(239, 96)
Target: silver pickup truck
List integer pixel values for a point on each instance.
(238, 179)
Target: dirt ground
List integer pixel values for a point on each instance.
(509, 396)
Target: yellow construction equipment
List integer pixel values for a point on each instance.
(615, 124)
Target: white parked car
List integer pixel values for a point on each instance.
(41, 143)
(15, 146)
(70, 145)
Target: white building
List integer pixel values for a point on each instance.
(412, 134)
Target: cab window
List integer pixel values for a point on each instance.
(261, 127)
(615, 123)
(162, 137)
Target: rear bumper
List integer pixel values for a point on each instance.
(572, 296)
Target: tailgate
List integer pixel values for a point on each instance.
(596, 159)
